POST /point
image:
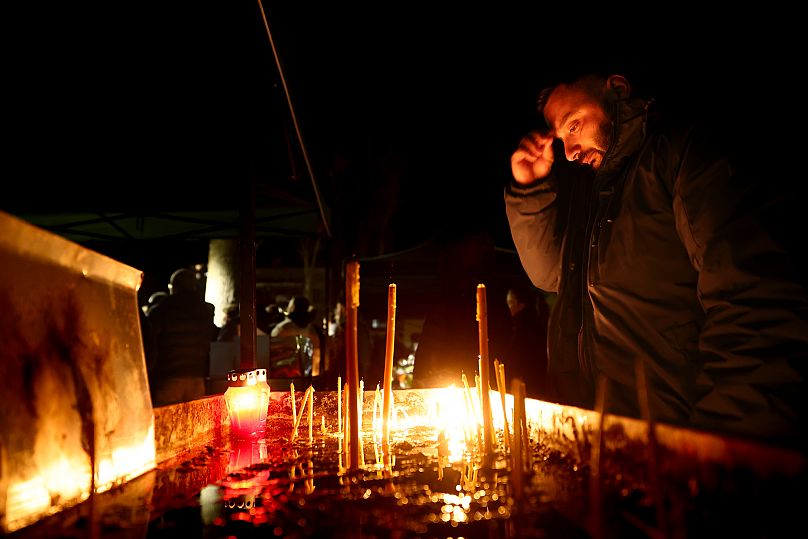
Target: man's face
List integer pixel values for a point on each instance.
(580, 121)
(514, 306)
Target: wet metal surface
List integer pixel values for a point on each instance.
(271, 487)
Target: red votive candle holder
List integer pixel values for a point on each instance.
(244, 399)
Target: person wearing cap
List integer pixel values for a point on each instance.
(298, 324)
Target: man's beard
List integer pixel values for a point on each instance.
(603, 138)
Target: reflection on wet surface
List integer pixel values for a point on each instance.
(300, 491)
(271, 487)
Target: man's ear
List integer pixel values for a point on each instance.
(619, 85)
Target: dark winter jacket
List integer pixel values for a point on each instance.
(662, 259)
(183, 327)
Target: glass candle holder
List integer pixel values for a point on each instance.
(261, 382)
(244, 399)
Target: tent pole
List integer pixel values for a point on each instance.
(247, 292)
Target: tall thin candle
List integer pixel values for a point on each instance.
(499, 371)
(471, 414)
(360, 406)
(388, 366)
(482, 319)
(311, 413)
(518, 389)
(302, 409)
(377, 403)
(351, 307)
(345, 435)
(294, 405)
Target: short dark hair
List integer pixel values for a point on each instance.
(587, 80)
(542, 98)
(524, 293)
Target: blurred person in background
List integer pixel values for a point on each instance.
(183, 328)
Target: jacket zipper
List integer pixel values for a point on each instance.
(593, 211)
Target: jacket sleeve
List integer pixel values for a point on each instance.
(533, 215)
(754, 342)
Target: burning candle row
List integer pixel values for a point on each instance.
(249, 395)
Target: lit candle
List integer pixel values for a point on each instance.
(518, 389)
(294, 404)
(478, 387)
(472, 417)
(388, 366)
(499, 371)
(244, 399)
(339, 404)
(311, 413)
(345, 435)
(471, 412)
(360, 406)
(300, 415)
(482, 319)
(393, 413)
(351, 306)
(376, 404)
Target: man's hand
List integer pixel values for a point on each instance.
(533, 158)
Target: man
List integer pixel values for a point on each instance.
(183, 328)
(657, 249)
(286, 346)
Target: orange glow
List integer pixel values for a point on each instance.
(27, 501)
(125, 462)
(247, 400)
(243, 404)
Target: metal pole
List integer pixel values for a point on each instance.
(247, 293)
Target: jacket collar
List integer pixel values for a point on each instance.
(630, 117)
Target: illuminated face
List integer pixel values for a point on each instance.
(580, 121)
(514, 305)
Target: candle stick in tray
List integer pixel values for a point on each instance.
(351, 308)
(499, 371)
(482, 319)
(294, 405)
(300, 415)
(388, 367)
(517, 463)
(311, 413)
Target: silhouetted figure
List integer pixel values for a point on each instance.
(183, 329)
(336, 343)
(149, 342)
(154, 299)
(449, 343)
(231, 327)
(269, 317)
(297, 338)
(525, 355)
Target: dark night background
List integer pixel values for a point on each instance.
(409, 113)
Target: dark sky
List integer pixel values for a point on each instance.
(142, 105)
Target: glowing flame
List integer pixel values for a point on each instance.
(65, 479)
(125, 462)
(244, 405)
